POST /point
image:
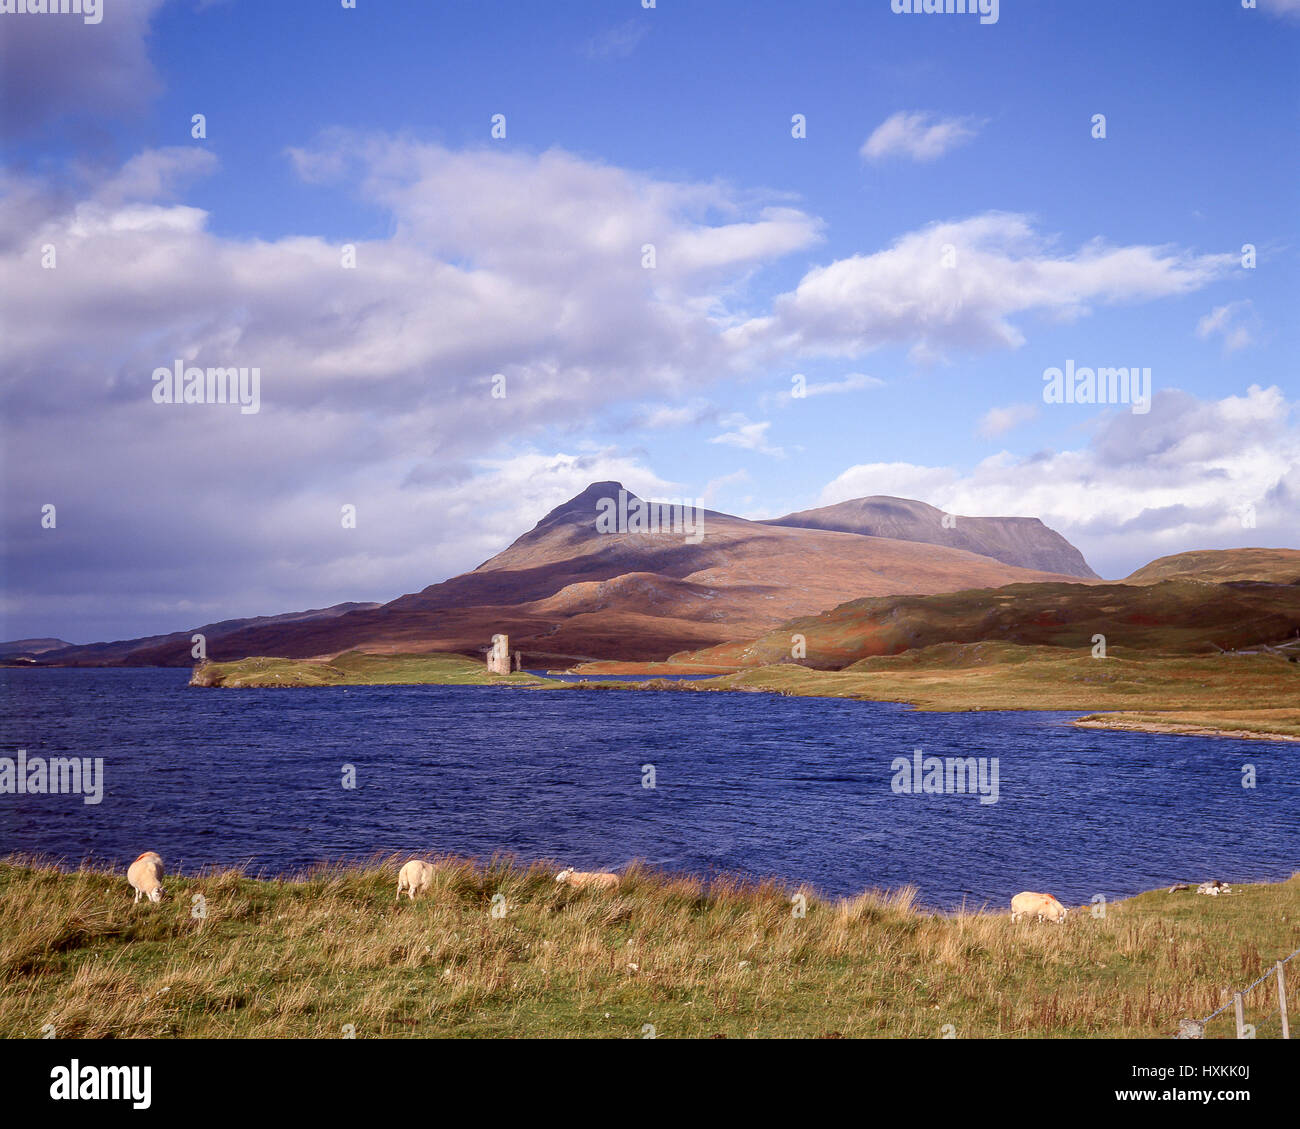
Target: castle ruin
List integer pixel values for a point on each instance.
(498, 660)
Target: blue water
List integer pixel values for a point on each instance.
(747, 784)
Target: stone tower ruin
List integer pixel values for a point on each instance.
(498, 661)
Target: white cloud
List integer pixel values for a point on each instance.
(1175, 479)
(851, 382)
(998, 421)
(683, 415)
(1237, 323)
(906, 295)
(748, 435)
(919, 135)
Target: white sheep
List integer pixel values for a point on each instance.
(1042, 906)
(581, 879)
(146, 875)
(415, 877)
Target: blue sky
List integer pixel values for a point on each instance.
(775, 256)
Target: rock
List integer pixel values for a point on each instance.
(1190, 1029)
(1214, 888)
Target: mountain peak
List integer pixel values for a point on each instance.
(581, 508)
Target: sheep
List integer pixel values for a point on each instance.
(415, 877)
(146, 875)
(581, 879)
(1042, 906)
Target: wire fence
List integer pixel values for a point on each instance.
(1265, 1027)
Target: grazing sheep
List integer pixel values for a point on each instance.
(1042, 906)
(581, 879)
(146, 875)
(415, 877)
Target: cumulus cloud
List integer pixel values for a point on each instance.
(960, 284)
(1180, 477)
(919, 135)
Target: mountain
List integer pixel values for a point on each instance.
(28, 648)
(1277, 566)
(565, 592)
(1022, 541)
(172, 649)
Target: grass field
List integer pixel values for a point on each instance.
(356, 668)
(964, 676)
(311, 957)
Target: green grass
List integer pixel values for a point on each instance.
(306, 958)
(356, 668)
(1004, 676)
(1268, 723)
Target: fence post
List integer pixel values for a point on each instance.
(1241, 1021)
(1281, 1000)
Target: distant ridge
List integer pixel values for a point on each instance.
(1274, 566)
(1022, 541)
(17, 648)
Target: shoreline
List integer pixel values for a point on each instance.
(1123, 722)
(1159, 695)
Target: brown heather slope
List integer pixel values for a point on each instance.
(173, 649)
(1022, 541)
(1168, 617)
(564, 592)
(1279, 566)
